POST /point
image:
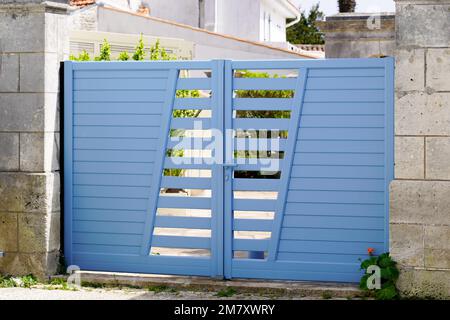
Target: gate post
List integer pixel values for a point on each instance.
(33, 41)
(420, 195)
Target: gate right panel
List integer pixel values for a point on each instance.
(332, 202)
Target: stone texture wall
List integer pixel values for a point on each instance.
(420, 194)
(32, 43)
(359, 35)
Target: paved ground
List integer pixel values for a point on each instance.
(127, 294)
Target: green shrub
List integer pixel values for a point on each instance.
(83, 56)
(139, 52)
(389, 276)
(105, 52)
(123, 56)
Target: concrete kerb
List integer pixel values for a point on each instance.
(184, 283)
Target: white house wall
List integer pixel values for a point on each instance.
(206, 45)
(182, 11)
(275, 29)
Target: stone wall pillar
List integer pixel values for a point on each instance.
(33, 41)
(420, 194)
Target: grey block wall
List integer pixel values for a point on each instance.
(359, 35)
(420, 194)
(32, 42)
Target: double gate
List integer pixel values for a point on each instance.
(234, 169)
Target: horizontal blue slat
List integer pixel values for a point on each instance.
(343, 108)
(184, 202)
(112, 179)
(315, 257)
(346, 72)
(109, 215)
(117, 120)
(264, 83)
(344, 96)
(102, 249)
(250, 244)
(182, 222)
(181, 242)
(109, 203)
(108, 227)
(115, 155)
(113, 167)
(256, 184)
(116, 132)
(328, 246)
(366, 197)
(340, 146)
(136, 66)
(252, 225)
(107, 239)
(120, 84)
(346, 83)
(185, 183)
(320, 121)
(367, 134)
(254, 205)
(192, 103)
(300, 266)
(337, 172)
(308, 63)
(119, 96)
(118, 108)
(191, 123)
(334, 209)
(115, 144)
(194, 83)
(337, 184)
(120, 74)
(332, 234)
(111, 191)
(326, 222)
(366, 159)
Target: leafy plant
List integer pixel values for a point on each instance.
(82, 56)
(124, 56)
(305, 31)
(139, 52)
(161, 288)
(158, 53)
(389, 274)
(23, 282)
(227, 292)
(105, 52)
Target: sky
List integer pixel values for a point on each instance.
(329, 7)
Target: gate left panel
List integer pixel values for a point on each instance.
(118, 120)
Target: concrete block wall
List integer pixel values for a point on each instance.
(420, 194)
(32, 42)
(359, 35)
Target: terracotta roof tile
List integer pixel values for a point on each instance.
(81, 3)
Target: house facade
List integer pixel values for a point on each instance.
(256, 20)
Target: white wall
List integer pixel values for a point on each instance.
(207, 46)
(272, 23)
(182, 11)
(239, 18)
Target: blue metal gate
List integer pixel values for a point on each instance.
(252, 175)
